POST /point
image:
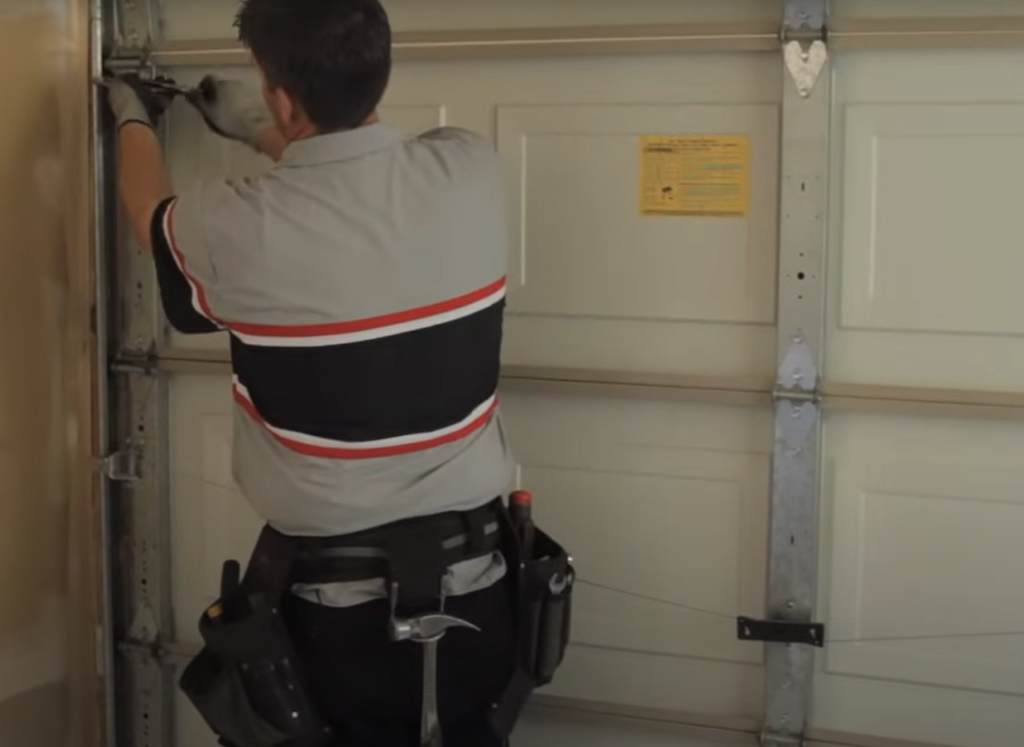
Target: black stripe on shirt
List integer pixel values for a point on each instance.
(175, 290)
(411, 383)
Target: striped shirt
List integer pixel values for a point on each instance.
(362, 284)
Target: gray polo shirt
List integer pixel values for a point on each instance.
(362, 282)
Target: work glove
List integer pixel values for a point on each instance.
(131, 101)
(231, 109)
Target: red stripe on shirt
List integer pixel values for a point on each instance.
(328, 452)
(204, 304)
(361, 325)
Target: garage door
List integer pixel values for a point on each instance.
(641, 354)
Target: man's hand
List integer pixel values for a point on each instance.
(232, 110)
(131, 101)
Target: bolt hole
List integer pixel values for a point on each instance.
(800, 276)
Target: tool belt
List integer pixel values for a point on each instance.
(247, 683)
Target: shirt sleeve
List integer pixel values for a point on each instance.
(186, 230)
(184, 274)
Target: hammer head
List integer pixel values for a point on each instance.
(426, 628)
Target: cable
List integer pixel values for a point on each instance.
(828, 641)
(666, 602)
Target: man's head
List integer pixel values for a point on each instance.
(325, 63)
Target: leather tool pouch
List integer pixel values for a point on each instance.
(246, 683)
(543, 590)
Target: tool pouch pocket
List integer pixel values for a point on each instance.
(544, 590)
(246, 683)
(545, 609)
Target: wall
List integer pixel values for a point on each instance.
(48, 692)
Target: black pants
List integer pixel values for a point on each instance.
(369, 689)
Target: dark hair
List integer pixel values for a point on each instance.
(332, 56)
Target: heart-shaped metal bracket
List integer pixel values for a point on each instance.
(805, 65)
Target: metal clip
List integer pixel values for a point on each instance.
(124, 465)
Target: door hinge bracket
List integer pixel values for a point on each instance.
(136, 23)
(804, 37)
(124, 465)
(780, 631)
(128, 60)
(145, 363)
(144, 629)
(798, 374)
(770, 739)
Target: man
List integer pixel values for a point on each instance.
(362, 282)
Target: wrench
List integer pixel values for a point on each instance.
(427, 630)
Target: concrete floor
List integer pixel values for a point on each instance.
(545, 727)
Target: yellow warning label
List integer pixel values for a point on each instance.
(705, 176)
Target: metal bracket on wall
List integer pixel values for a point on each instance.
(788, 632)
(804, 39)
(146, 693)
(123, 466)
(137, 23)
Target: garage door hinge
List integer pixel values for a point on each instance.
(124, 61)
(769, 739)
(124, 465)
(136, 20)
(798, 374)
(804, 38)
(135, 363)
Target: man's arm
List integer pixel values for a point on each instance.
(142, 178)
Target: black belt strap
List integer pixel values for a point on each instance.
(414, 553)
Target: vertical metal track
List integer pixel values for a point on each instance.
(792, 576)
(101, 160)
(139, 470)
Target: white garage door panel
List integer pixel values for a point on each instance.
(922, 551)
(660, 501)
(584, 249)
(842, 9)
(210, 520)
(604, 287)
(666, 502)
(212, 19)
(927, 221)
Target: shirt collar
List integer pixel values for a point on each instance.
(340, 146)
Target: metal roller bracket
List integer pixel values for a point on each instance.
(803, 37)
(137, 22)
